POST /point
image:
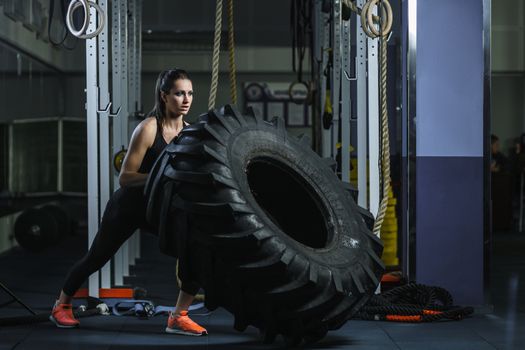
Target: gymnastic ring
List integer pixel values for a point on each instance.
(300, 101)
(73, 5)
(364, 24)
(102, 23)
(81, 34)
(386, 10)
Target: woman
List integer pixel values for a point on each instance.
(126, 210)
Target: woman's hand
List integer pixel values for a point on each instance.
(142, 138)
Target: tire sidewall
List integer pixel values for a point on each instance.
(346, 239)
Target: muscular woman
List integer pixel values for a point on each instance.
(126, 209)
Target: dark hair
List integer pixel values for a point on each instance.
(164, 84)
(493, 138)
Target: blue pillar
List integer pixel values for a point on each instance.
(450, 147)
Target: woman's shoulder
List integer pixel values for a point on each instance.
(149, 124)
(147, 129)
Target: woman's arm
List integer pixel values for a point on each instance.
(142, 138)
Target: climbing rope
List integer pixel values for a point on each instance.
(231, 51)
(216, 55)
(413, 303)
(385, 139)
(369, 23)
(215, 58)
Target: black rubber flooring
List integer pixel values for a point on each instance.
(36, 279)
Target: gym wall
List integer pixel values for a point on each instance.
(508, 70)
(450, 148)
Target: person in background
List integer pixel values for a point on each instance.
(499, 162)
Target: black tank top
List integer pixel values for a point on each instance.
(152, 153)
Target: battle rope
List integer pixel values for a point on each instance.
(413, 303)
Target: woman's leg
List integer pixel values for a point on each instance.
(178, 321)
(124, 213)
(187, 293)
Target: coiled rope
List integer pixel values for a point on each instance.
(413, 303)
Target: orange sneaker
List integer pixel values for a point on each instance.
(62, 316)
(182, 324)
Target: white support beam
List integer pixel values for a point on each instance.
(119, 105)
(324, 38)
(336, 75)
(104, 150)
(132, 99)
(92, 144)
(138, 90)
(346, 102)
(373, 123)
(362, 113)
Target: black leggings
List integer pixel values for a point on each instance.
(125, 213)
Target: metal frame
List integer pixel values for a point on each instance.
(120, 110)
(99, 109)
(103, 86)
(324, 36)
(373, 124)
(367, 88)
(362, 113)
(346, 102)
(409, 145)
(132, 83)
(487, 91)
(336, 76)
(92, 144)
(138, 82)
(138, 38)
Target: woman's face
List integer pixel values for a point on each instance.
(178, 100)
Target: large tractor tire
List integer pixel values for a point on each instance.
(273, 235)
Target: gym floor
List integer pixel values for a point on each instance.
(35, 279)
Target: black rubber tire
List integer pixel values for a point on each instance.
(275, 237)
(61, 217)
(35, 230)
